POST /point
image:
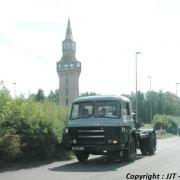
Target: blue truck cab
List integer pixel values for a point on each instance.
(104, 125)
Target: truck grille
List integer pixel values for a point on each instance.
(89, 135)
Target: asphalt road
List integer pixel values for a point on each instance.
(165, 164)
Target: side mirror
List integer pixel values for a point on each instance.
(137, 124)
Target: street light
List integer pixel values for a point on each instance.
(14, 89)
(150, 102)
(136, 54)
(177, 87)
(1, 82)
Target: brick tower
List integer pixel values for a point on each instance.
(68, 69)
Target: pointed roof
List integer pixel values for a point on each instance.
(69, 35)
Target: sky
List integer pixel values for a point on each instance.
(108, 33)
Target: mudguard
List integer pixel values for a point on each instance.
(145, 133)
(147, 141)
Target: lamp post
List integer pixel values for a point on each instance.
(1, 82)
(14, 89)
(177, 88)
(136, 54)
(150, 101)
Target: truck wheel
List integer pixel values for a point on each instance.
(143, 150)
(130, 153)
(82, 156)
(149, 146)
(152, 144)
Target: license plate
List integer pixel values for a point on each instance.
(78, 148)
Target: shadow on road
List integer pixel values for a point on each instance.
(99, 164)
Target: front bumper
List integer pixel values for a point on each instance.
(92, 148)
(100, 147)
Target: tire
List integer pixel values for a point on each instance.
(130, 153)
(149, 145)
(143, 150)
(82, 156)
(152, 144)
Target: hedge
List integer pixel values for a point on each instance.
(29, 129)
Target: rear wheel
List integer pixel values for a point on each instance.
(152, 144)
(149, 145)
(82, 156)
(130, 153)
(143, 150)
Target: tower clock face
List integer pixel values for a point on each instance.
(66, 46)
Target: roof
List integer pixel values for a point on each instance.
(69, 35)
(101, 98)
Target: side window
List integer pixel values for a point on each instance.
(126, 108)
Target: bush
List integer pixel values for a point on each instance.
(29, 129)
(40, 125)
(10, 147)
(166, 122)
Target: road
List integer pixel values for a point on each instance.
(165, 164)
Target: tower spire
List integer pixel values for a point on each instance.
(69, 35)
(68, 69)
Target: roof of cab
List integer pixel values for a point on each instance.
(101, 98)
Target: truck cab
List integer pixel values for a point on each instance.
(104, 125)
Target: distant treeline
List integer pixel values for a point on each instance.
(161, 103)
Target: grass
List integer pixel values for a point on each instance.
(164, 135)
(148, 126)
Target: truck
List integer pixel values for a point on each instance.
(104, 125)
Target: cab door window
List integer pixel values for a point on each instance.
(126, 108)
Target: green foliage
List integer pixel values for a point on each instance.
(166, 122)
(29, 129)
(40, 95)
(10, 147)
(54, 96)
(4, 98)
(162, 103)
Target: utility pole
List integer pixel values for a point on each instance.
(177, 88)
(136, 54)
(150, 100)
(14, 90)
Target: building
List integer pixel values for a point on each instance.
(68, 69)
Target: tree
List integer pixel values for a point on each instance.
(54, 96)
(40, 95)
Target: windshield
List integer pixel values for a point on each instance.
(103, 109)
(107, 109)
(82, 110)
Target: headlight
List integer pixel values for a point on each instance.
(114, 141)
(66, 130)
(74, 141)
